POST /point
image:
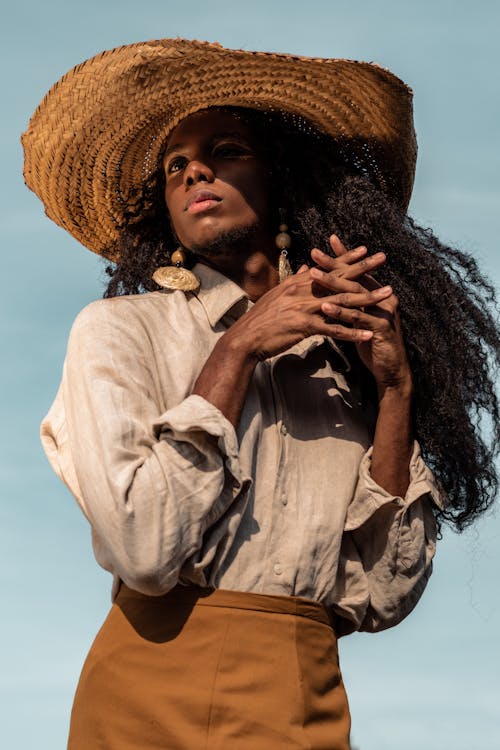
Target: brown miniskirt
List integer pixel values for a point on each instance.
(211, 670)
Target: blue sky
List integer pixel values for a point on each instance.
(433, 681)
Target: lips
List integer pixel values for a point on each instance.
(201, 200)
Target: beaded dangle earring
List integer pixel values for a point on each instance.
(176, 276)
(283, 243)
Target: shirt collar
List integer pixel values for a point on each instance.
(217, 294)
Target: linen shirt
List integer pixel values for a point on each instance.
(284, 504)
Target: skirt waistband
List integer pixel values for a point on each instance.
(194, 595)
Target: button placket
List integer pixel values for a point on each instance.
(282, 432)
(277, 565)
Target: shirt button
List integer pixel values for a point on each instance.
(284, 431)
(284, 499)
(278, 569)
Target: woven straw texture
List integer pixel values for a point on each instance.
(98, 135)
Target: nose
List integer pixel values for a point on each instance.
(197, 171)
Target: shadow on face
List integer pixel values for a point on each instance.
(217, 182)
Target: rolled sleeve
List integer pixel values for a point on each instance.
(370, 496)
(387, 550)
(200, 424)
(150, 483)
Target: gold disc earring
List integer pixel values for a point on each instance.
(176, 276)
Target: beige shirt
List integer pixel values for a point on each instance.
(283, 505)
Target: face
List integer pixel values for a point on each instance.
(217, 184)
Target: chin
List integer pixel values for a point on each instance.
(228, 241)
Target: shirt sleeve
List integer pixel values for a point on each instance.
(151, 484)
(387, 549)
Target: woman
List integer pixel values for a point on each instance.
(244, 449)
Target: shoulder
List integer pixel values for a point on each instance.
(136, 325)
(128, 314)
(130, 307)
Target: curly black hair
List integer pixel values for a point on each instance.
(448, 307)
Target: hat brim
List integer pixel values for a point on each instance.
(98, 135)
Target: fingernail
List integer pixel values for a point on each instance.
(385, 289)
(316, 273)
(366, 334)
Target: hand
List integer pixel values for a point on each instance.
(384, 353)
(295, 309)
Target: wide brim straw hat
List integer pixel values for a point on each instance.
(97, 138)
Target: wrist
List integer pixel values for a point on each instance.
(401, 391)
(238, 348)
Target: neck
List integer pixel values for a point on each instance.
(255, 271)
(257, 275)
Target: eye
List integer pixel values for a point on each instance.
(231, 150)
(176, 164)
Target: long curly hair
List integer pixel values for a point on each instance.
(448, 307)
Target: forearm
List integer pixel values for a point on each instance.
(393, 441)
(226, 375)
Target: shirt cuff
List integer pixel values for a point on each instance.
(370, 496)
(198, 422)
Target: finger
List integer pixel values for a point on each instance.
(337, 245)
(363, 269)
(357, 271)
(358, 318)
(303, 268)
(342, 332)
(337, 286)
(360, 299)
(328, 262)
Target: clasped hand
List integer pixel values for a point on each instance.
(340, 299)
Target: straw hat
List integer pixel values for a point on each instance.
(98, 135)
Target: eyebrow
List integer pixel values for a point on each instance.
(217, 136)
